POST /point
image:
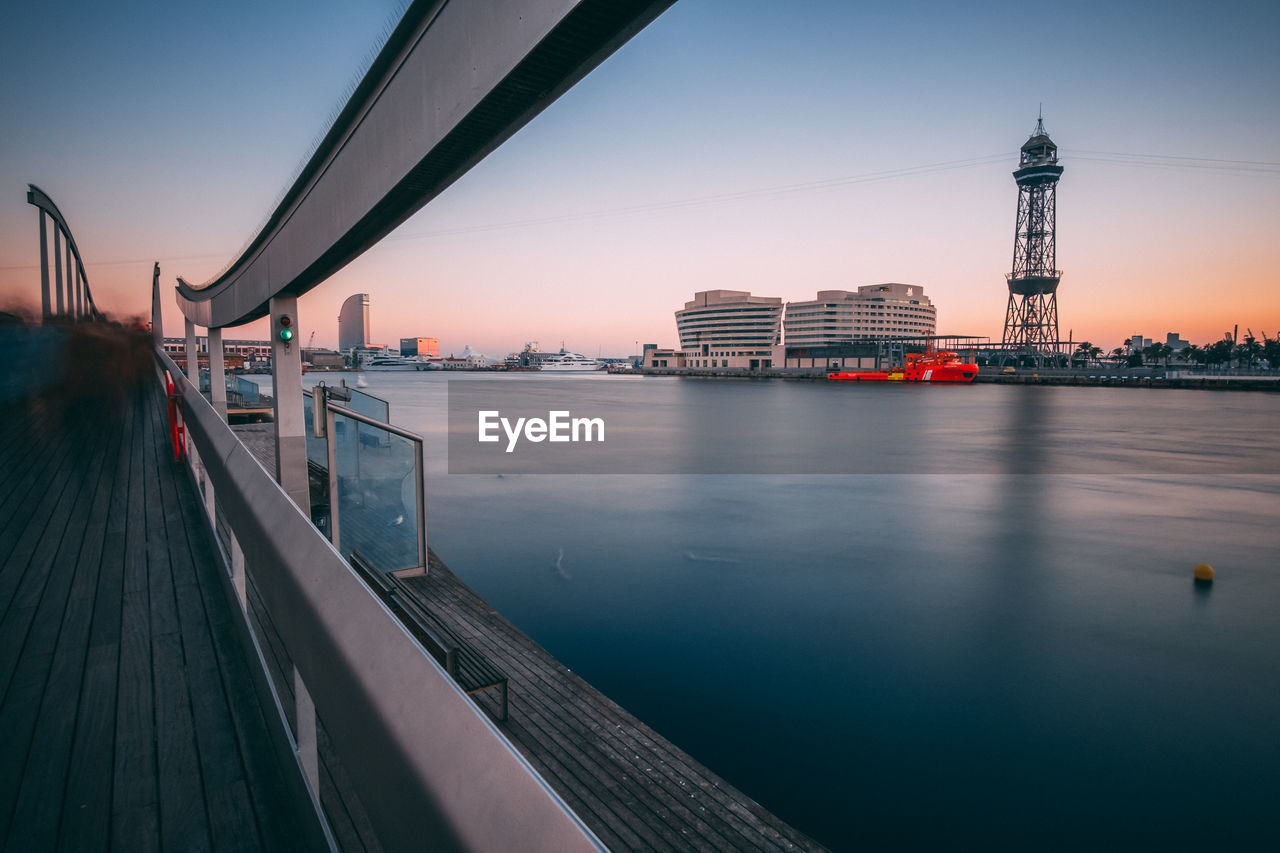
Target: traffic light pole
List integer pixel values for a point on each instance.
(286, 374)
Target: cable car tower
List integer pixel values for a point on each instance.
(1031, 320)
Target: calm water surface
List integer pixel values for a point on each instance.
(1007, 657)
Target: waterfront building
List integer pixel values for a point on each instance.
(364, 354)
(842, 356)
(426, 347)
(730, 329)
(353, 322)
(874, 311)
(668, 359)
(324, 358)
(250, 353)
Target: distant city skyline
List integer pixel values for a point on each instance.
(778, 149)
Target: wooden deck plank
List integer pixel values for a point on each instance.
(26, 480)
(573, 735)
(231, 818)
(183, 815)
(134, 792)
(555, 731)
(17, 724)
(128, 715)
(184, 821)
(40, 799)
(86, 815)
(346, 814)
(40, 605)
(25, 529)
(247, 788)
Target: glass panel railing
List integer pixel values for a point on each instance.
(241, 392)
(369, 406)
(378, 498)
(246, 389)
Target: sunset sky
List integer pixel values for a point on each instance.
(781, 148)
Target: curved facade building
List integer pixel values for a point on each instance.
(353, 322)
(875, 311)
(717, 320)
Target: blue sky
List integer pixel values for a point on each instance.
(166, 131)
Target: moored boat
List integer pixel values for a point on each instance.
(928, 366)
(382, 363)
(569, 362)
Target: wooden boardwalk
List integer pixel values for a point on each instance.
(128, 714)
(635, 789)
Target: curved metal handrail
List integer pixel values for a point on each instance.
(41, 200)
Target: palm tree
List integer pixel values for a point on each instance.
(1082, 353)
(1193, 354)
(1248, 351)
(1117, 355)
(1218, 352)
(1271, 350)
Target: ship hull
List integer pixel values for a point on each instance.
(927, 367)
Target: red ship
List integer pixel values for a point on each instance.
(927, 366)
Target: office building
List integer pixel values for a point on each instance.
(891, 310)
(731, 329)
(353, 322)
(425, 347)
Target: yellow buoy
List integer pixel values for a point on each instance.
(1204, 573)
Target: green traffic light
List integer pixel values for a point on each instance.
(286, 335)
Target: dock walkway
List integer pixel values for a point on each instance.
(129, 718)
(633, 788)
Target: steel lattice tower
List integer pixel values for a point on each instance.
(1031, 320)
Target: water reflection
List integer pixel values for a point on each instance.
(998, 649)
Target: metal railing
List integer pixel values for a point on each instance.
(429, 768)
(72, 297)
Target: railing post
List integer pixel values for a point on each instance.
(217, 374)
(46, 307)
(57, 264)
(331, 461)
(80, 312)
(237, 569)
(157, 318)
(305, 711)
(210, 504)
(291, 428)
(73, 293)
(193, 358)
(420, 497)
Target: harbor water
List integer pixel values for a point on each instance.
(1003, 653)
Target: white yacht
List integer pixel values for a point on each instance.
(569, 362)
(392, 362)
